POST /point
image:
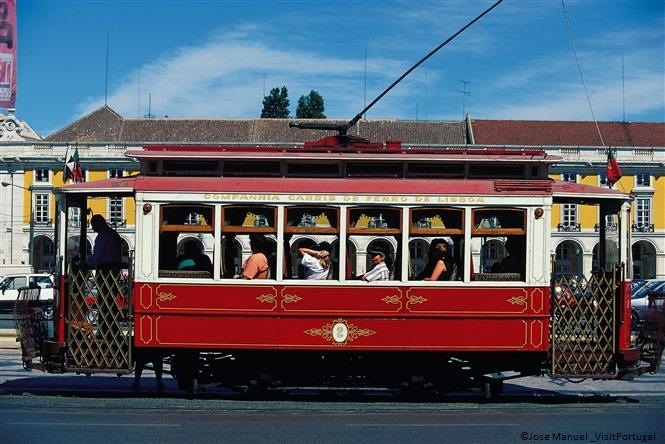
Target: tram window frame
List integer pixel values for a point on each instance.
(490, 233)
(388, 239)
(452, 231)
(173, 236)
(296, 212)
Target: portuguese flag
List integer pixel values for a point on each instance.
(613, 171)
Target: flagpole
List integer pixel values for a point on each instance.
(64, 169)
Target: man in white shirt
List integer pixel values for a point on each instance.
(380, 271)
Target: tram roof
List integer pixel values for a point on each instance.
(562, 192)
(327, 149)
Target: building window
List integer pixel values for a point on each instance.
(115, 210)
(569, 177)
(602, 179)
(643, 213)
(42, 175)
(41, 208)
(115, 172)
(569, 214)
(642, 180)
(74, 217)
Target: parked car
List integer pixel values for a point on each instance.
(639, 298)
(11, 283)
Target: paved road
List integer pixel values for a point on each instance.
(15, 379)
(175, 420)
(101, 408)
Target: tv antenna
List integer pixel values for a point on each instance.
(342, 129)
(464, 94)
(149, 115)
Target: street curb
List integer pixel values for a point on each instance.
(8, 338)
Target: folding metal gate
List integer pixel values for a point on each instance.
(584, 324)
(99, 328)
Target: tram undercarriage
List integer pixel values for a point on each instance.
(409, 373)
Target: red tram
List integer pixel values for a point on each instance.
(358, 197)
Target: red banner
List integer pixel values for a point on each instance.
(7, 53)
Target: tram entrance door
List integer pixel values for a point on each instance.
(98, 327)
(584, 320)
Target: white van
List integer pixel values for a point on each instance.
(11, 283)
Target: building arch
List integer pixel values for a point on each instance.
(644, 259)
(569, 258)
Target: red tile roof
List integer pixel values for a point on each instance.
(567, 133)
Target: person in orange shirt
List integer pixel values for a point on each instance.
(256, 266)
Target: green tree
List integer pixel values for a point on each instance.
(311, 106)
(276, 105)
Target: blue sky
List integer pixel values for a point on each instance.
(218, 58)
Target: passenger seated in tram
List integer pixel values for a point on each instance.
(516, 259)
(380, 271)
(256, 266)
(193, 258)
(440, 266)
(316, 261)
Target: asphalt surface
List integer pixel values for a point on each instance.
(14, 379)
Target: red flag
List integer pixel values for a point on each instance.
(613, 171)
(73, 168)
(7, 53)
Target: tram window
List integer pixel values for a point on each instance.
(182, 167)
(237, 248)
(424, 253)
(249, 219)
(294, 267)
(186, 255)
(306, 219)
(373, 169)
(375, 220)
(255, 168)
(501, 259)
(429, 227)
(499, 221)
(180, 225)
(491, 170)
(499, 233)
(374, 229)
(187, 218)
(241, 224)
(428, 169)
(309, 226)
(319, 169)
(436, 220)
